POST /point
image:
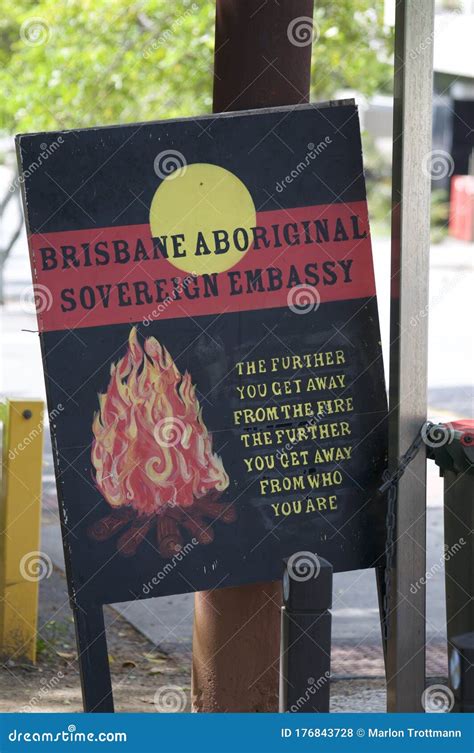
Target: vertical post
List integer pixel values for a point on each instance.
(22, 565)
(305, 656)
(255, 62)
(408, 344)
(236, 630)
(93, 659)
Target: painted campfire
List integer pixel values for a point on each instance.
(152, 455)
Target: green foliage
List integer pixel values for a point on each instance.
(104, 62)
(439, 215)
(41, 647)
(78, 63)
(353, 49)
(378, 179)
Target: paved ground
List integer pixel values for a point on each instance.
(140, 672)
(144, 679)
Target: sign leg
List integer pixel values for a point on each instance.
(93, 659)
(305, 654)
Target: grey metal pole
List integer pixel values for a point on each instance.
(408, 344)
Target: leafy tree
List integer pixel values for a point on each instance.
(79, 63)
(352, 49)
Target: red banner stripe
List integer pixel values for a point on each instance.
(83, 278)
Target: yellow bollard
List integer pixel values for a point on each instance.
(21, 564)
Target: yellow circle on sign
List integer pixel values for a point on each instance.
(206, 204)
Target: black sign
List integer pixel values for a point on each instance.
(209, 327)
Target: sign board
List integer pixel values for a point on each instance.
(209, 329)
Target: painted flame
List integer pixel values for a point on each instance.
(151, 447)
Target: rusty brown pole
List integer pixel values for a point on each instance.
(262, 59)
